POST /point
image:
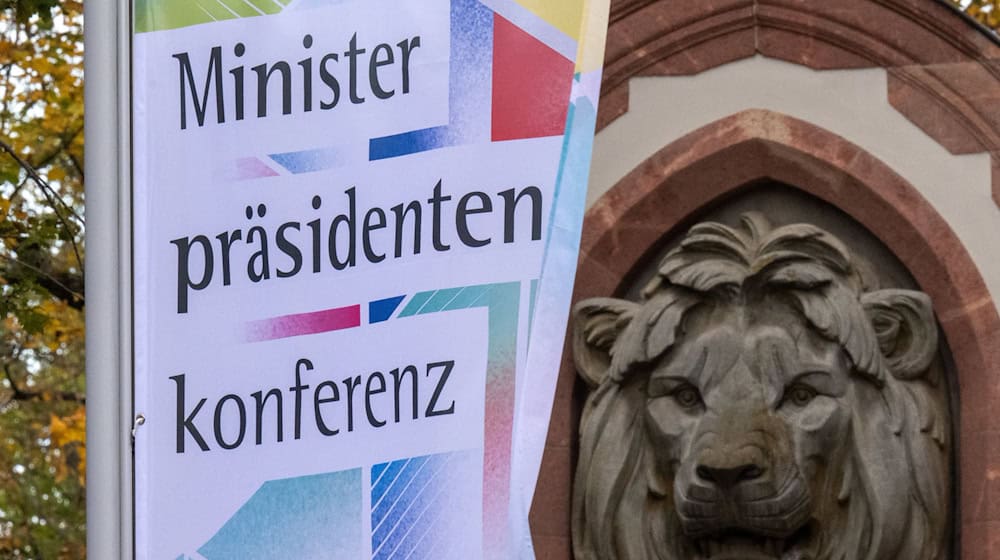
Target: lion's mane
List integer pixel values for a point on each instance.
(892, 489)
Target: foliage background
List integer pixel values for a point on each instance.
(986, 12)
(42, 403)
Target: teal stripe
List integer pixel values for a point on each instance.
(440, 299)
(467, 298)
(416, 303)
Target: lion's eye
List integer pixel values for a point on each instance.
(687, 396)
(800, 395)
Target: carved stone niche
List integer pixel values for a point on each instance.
(770, 386)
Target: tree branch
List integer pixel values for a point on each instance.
(38, 179)
(76, 164)
(67, 287)
(51, 196)
(62, 142)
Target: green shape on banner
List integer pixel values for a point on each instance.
(158, 15)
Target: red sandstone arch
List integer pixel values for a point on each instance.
(629, 221)
(944, 72)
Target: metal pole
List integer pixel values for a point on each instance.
(108, 278)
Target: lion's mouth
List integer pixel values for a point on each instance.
(744, 545)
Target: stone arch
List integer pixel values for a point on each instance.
(943, 70)
(664, 192)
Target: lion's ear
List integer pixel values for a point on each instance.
(597, 323)
(906, 330)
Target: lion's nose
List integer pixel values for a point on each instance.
(728, 477)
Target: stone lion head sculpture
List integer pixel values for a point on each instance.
(759, 403)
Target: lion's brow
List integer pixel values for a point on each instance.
(785, 373)
(693, 373)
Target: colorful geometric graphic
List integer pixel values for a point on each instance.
(503, 304)
(531, 85)
(468, 89)
(417, 507)
(504, 84)
(563, 14)
(518, 69)
(307, 161)
(157, 15)
(303, 323)
(251, 168)
(383, 309)
(502, 300)
(551, 297)
(314, 517)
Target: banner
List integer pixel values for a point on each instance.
(355, 229)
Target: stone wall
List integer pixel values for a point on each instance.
(886, 109)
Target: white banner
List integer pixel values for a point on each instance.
(349, 219)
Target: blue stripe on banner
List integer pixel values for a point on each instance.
(381, 310)
(382, 508)
(406, 524)
(470, 89)
(308, 160)
(377, 471)
(388, 477)
(399, 519)
(407, 143)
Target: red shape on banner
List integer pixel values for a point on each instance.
(531, 85)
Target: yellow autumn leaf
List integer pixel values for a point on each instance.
(57, 174)
(57, 427)
(69, 429)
